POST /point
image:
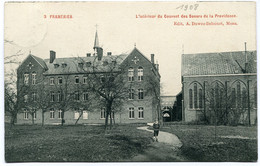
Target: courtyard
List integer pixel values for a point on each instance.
(90, 143)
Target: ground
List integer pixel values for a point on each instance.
(130, 143)
(228, 143)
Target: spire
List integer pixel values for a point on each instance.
(96, 43)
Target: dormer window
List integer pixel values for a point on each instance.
(105, 63)
(113, 62)
(88, 64)
(64, 65)
(80, 64)
(56, 65)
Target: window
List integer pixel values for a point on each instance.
(131, 94)
(77, 96)
(76, 79)
(25, 114)
(140, 74)
(140, 113)
(52, 81)
(102, 79)
(131, 113)
(34, 96)
(52, 114)
(102, 114)
(59, 97)
(26, 79)
(52, 96)
(25, 98)
(190, 98)
(255, 96)
(34, 113)
(60, 114)
(140, 94)
(60, 80)
(130, 74)
(238, 95)
(85, 115)
(195, 96)
(33, 78)
(200, 98)
(76, 114)
(85, 79)
(85, 96)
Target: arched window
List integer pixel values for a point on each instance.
(195, 95)
(239, 95)
(130, 74)
(33, 78)
(190, 98)
(255, 96)
(140, 74)
(200, 98)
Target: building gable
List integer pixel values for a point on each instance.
(31, 63)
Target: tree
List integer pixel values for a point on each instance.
(106, 82)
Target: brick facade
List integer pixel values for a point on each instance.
(45, 71)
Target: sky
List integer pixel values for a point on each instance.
(119, 30)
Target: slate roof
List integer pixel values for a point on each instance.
(72, 64)
(218, 63)
(40, 61)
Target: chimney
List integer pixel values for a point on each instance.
(152, 58)
(52, 56)
(88, 54)
(99, 53)
(109, 53)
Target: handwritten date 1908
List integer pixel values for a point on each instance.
(188, 7)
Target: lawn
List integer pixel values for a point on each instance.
(230, 144)
(87, 143)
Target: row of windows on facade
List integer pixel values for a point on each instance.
(85, 114)
(52, 79)
(85, 96)
(217, 98)
(140, 74)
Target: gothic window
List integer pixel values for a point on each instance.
(26, 79)
(200, 98)
(131, 94)
(140, 94)
(130, 74)
(34, 113)
(255, 96)
(131, 113)
(190, 98)
(195, 95)
(140, 113)
(140, 73)
(33, 78)
(239, 95)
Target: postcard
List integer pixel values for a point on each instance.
(130, 82)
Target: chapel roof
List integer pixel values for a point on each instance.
(218, 63)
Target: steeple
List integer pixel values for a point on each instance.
(96, 43)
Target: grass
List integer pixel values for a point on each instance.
(200, 144)
(73, 143)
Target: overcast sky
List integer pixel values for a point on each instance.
(119, 30)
